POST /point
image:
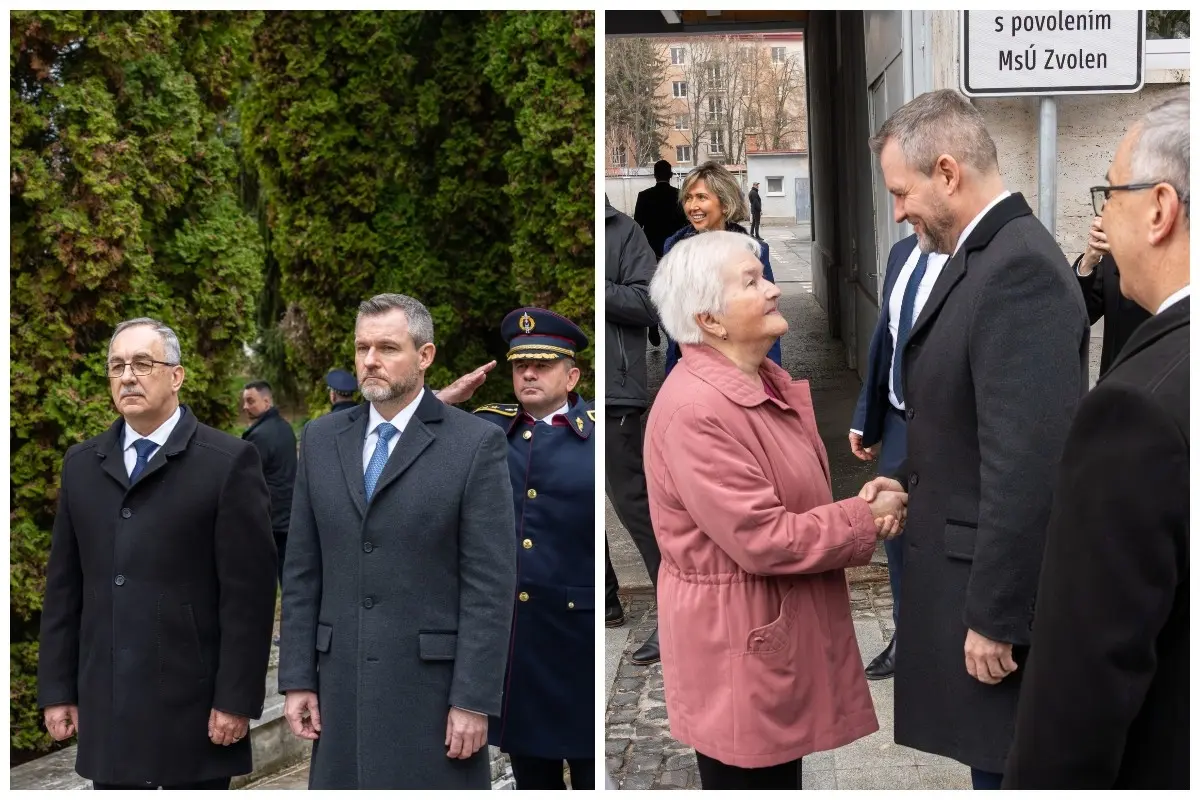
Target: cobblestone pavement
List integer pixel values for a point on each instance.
(640, 753)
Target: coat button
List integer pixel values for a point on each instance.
(911, 413)
(119, 580)
(570, 605)
(523, 596)
(913, 480)
(527, 435)
(532, 493)
(527, 544)
(126, 513)
(368, 602)
(368, 547)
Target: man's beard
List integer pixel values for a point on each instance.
(374, 393)
(938, 230)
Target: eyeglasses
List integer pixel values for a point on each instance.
(141, 367)
(1100, 194)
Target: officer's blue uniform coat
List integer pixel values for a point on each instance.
(549, 688)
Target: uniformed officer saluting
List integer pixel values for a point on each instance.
(549, 696)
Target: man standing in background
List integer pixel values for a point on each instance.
(275, 440)
(658, 210)
(755, 211)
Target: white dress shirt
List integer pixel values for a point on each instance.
(548, 419)
(962, 237)
(399, 422)
(159, 437)
(1175, 298)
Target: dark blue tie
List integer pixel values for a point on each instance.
(144, 448)
(906, 321)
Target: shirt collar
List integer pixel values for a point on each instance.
(563, 409)
(967, 230)
(159, 435)
(402, 418)
(1186, 291)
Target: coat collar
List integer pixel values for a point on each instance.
(1176, 317)
(580, 417)
(710, 366)
(111, 451)
(1010, 208)
(263, 418)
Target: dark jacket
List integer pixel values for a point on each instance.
(272, 435)
(659, 213)
(1105, 698)
(776, 352)
(755, 201)
(549, 695)
(343, 405)
(873, 400)
(1103, 298)
(397, 608)
(160, 600)
(628, 267)
(994, 369)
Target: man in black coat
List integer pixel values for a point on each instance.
(272, 435)
(755, 211)
(1105, 699)
(994, 366)
(160, 591)
(658, 210)
(1101, 285)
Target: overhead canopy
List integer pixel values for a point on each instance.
(687, 23)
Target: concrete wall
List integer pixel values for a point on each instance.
(789, 166)
(623, 191)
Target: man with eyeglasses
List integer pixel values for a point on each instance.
(160, 590)
(1105, 699)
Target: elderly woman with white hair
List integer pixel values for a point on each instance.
(713, 201)
(760, 663)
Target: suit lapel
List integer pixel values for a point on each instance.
(951, 274)
(176, 444)
(1152, 330)
(416, 437)
(112, 454)
(350, 452)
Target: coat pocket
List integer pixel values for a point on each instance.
(324, 637)
(189, 618)
(581, 598)
(958, 540)
(438, 645)
(773, 636)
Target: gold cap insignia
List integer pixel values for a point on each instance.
(526, 323)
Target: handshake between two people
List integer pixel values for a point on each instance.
(889, 505)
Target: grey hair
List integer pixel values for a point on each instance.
(936, 124)
(420, 323)
(170, 341)
(689, 280)
(1160, 152)
(723, 185)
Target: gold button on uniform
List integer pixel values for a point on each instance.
(527, 544)
(523, 596)
(532, 493)
(570, 605)
(527, 435)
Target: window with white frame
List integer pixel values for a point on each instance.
(716, 141)
(678, 54)
(681, 122)
(679, 88)
(716, 107)
(683, 153)
(1168, 46)
(712, 74)
(775, 185)
(778, 55)
(619, 155)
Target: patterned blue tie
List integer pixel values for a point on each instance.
(144, 448)
(906, 321)
(379, 458)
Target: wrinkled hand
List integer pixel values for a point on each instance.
(303, 714)
(860, 452)
(62, 721)
(226, 729)
(889, 508)
(880, 484)
(462, 389)
(988, 661)
(466, 732)
(1097, 247)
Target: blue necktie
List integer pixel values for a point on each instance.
(144, 448)
(906, 321)
(379, 458)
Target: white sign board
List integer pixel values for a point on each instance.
(1007, 53)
